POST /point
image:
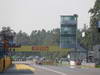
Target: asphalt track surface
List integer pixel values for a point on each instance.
(32, 69)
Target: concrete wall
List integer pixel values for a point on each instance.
(97, 54)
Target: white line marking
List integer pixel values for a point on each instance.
(48, 69)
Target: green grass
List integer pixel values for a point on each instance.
(57, 48)
(83, 66)
(24, 49)
(98, 66)
(51, 48)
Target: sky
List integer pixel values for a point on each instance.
(28, 15)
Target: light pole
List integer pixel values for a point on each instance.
(76, 17)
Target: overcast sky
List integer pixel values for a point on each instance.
(28, 15)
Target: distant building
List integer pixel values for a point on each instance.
(68, 38)
(68, 31)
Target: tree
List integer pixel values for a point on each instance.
(23, 38)
(55, 36)
(33, 37)
(92, 36)
(39, 37)
(95, 16)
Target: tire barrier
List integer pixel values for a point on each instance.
(7, 62)
(1, 64)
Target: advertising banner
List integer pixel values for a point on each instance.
(40, 48)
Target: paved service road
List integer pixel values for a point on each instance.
(63, 70)
(22, 69)
(40, 70)
(31, 69)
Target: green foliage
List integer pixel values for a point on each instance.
(95, 17)
(96, 9)
(97, 66)
(40, 37)
(92, 36)
(23, 38)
